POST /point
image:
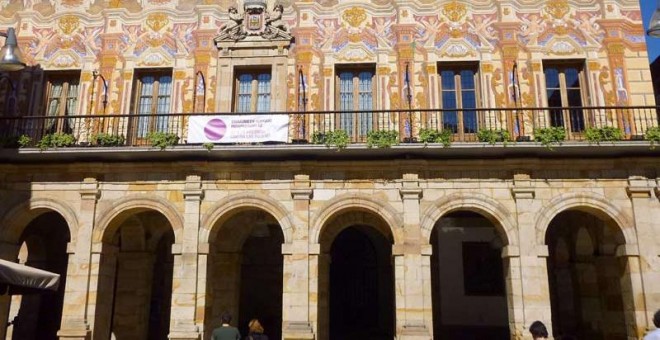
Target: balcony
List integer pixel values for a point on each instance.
(467, 133)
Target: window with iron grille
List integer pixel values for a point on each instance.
(61, 100)
(459, 89)
(565, 84)
(355, 90)
(152, 95)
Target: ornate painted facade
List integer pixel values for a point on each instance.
(318, 244)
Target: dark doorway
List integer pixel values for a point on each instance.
(44, 246)
(261, 280)
(467, 279)
(361, 286)
(585, 277)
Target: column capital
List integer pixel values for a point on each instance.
(89, 189)
(411, 193)
(640, 187)
(627, 250)
(522, 193)
(510, 251)
(193, 194)
(302, 194)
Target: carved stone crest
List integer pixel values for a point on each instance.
(255, 22)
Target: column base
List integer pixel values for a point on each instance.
(298, 331)
(74, 334)
(414, 332)
(184, 336)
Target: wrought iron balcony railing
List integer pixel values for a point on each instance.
(464, 125)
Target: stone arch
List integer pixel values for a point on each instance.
(21, 214)
(231, 205)
(358, 202)
(591, 203)
(491, 209)
(110, 219)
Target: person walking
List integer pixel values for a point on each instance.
(226, 332)
(538, 330)
(256, 331)
(655, 335)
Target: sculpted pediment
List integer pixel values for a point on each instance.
(255, 23)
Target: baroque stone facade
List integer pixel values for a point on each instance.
(358, 244)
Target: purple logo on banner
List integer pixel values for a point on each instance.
(215, 129)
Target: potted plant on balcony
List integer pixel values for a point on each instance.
(652, 135)
(492, 136)
(162, 139)
(56, 140)
(550, 136)
(434, 136)
(382, 138)
(603, 134)
(336, 138)
(106, 139)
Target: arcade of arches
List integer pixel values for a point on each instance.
(363, 267)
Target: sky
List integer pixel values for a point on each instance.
(648, 7)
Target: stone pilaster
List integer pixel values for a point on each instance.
(412, 298)
(75, 322)
(531, 259)
(297, 265)
(185, 288)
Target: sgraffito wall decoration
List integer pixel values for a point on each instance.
(116, 37)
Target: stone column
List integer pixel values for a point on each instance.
(535, 289)
(408, 269)
(643, 265)
(75, 322)
(184, 288)
(296, 285)
(514, 292)
(319, 288)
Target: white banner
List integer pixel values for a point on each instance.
(238, 129)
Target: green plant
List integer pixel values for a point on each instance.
(604, 134)
(106, 139)
(208, 146)
(162, 139)
(549, 136)
(24, 141)
(382, 138)
(56, 140)
(493, 136)
(434, 136)
(652, 135)
(337, 138)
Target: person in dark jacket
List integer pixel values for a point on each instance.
(538, 330)
(226, 332)
(256, 331)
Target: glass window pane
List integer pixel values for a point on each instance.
(554, 98)
(244, 100)
(448, 82)
(574, 97)
(346, 101)
(572, 77)
(467, 79)
(263, 92)
(551, 78)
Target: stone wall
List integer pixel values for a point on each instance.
(312, 203)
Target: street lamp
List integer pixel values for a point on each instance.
(654, 24)
(10, 55)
